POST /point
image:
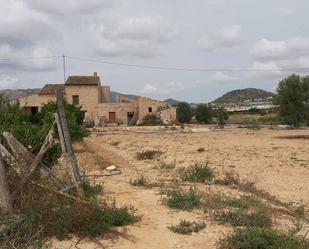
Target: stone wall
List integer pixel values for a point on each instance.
(36, 100)
(89, 96)
(121, 111)
(147, 106)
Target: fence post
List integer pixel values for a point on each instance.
(68, 142)
(5, 197)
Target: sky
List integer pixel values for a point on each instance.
(229, 44)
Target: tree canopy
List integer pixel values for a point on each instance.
(293, 100)
(184, 112)
(203, 113)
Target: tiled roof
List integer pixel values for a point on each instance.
(83, 80)
(50, 89)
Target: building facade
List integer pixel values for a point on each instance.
(87, 92)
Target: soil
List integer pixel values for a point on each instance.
(276, 160)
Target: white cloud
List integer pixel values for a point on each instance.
(7, 51)
(267, 49)
(8, 82)
(67, 7)
(134, 36)
(21, 26)
(165, 89)
(216, 78)
(226, 38)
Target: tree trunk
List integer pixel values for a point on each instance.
(5, 198)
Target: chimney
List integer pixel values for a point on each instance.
(95, 74)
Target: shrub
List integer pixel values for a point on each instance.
(203, 113)
(44, 215)
(184, 112)
(187, 227)
(242, 217)
(32, 129)
(149, 154)
(198, 173)
(140, 181)
(151, 120)
(182, 199)
(262, 238)
(167, 165)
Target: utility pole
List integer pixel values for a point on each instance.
(63, 59)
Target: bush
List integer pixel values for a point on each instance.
(203, 113)
(293, 100)
(184, 112)
(32, 129)
(198, 173)
(44, 214)
(149, 154)
(182, 199)
(151, 120)
(187, 227)
(242, 217)
(262, 238)
(141, 181)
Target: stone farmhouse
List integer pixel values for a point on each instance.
(87, 92)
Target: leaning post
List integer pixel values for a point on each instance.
(5, 197)
(68, 142)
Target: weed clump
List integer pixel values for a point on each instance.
(167, 165)
(44, 214)
(148, 154)
(262, 238)
(242, 217)
(140, 181)
(187, 227)
(198, 173)
(183, 199)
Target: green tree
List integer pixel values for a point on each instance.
(222, 116)
(203, 113)
(293, 100)
(184, 112)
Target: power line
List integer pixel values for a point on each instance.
(184, 69)
(30, 58)
(153, 67)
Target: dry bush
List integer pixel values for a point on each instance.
(187, 227)
(148, 154)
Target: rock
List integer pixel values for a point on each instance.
(111, 168)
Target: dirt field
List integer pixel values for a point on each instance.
(276, 160)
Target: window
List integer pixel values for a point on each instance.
(149, 109)
(75, 99)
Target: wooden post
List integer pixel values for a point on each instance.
(21, 154)
(5, 198)
(9, 159)
(20, 165)
(60, 132)
(68, 143)
(36, 161)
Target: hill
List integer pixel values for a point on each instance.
(17, 93)
(243, 95)
(172, 102)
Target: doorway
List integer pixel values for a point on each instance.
(112, 117)
(130, 117)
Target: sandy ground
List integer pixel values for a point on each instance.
(277, 160)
